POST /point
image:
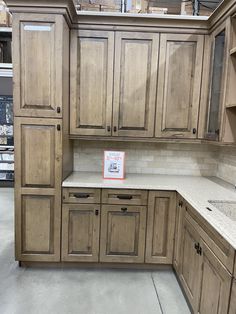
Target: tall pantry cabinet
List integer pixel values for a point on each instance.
(42, 149)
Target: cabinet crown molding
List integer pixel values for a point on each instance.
(64, 7)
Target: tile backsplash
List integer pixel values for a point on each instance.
(227, 164)
(158, 158)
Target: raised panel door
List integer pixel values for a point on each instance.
(38, 216)
(91, 82)
(232, 306)
(135, 75)
(122, 233)
(80, 232)
(215, 284)
(190, 264)
(37, 58)
(160, 227)
(179, 82)
(38, 152)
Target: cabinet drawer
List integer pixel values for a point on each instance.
(129, 197)
(81, 195)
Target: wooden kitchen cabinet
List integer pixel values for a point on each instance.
(179, 82)
(123, 229)
(38, 64)
(38, 152)
(135, 76)
(160, 227)
(80, 232)
(215, 283)
(232, 305)
(92, 57)
(180, 211)
(190, 264)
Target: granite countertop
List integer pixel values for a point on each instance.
(197, 191)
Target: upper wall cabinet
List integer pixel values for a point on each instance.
(37, 58)
(125, 107)
(216, 85)
(179, 83)
(91, 82)
(135, 74)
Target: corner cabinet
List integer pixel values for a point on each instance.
(113, 83)
(179, 83)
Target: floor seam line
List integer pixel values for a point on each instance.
(159, 301)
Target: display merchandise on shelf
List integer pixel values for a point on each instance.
(6, 141)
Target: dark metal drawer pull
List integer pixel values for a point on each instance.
(124, 209)
(125, 197)
(81, 195)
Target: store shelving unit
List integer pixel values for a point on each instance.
(6, 110)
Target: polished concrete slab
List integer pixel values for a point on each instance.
(79, 291)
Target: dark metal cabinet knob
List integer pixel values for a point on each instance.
(194, 130)
(115, 128)
(108, 128)
(58, 110)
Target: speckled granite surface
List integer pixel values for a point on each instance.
(197, 191)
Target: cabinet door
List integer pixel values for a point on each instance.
(37, 58)
(180, 210)
(136, 56)
(91, 82)
(38, 223)
(122, 233)
(38, 174)
(80, 232)
(179, 79)
(160, 227)
(215, 284)
(38, 152)
(190, 264)
(232, 306)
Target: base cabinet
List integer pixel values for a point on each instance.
(160, 227)
(123, 233)
(232, 306)
(190, 264)
(215, 284)
(80, 232)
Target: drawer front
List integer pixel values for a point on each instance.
(127, 197)
(81, 195)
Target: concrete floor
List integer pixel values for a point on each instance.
(76, 291)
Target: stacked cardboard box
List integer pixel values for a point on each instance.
(5, 16)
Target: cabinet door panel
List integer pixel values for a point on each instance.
(38, 226)
(37, 65)
(122, 233)
(216, 283)
(80, 232)
(37, 152)
(232, 307)
(190, 264)
(136, 56)
(91, 82)
(179, 81)
(160, 227)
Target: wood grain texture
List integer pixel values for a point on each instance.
(135, 75)
(122, 233)
(160, 227)
(37, 59)
(232, 305)
(91, 82)
(179, 81)
(180, 211)
(216, 284)
(38, 152)
(80, 232)
(116, 196)
(190, 264)
(37, 225)
(81, 195)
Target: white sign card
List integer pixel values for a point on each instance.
(114, 165)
